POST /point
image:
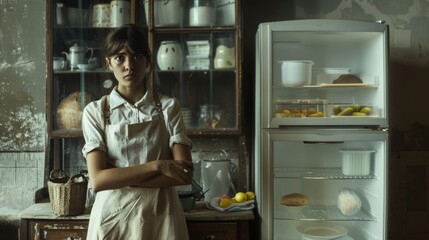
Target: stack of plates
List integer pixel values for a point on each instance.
(198, 57)
(187, 116)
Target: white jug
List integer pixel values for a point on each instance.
(224, 57)
(216, 177)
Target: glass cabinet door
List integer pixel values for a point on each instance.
(76, 71)
(196, 49)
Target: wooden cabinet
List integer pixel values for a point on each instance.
(77, 230)
(38, 222)
(54, 229)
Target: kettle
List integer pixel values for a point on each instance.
(76, 55)
(216, 177)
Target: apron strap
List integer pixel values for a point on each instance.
(105, 110)
(158, 105)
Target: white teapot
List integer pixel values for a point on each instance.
(76, 55)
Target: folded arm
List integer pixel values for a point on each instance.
(158, 173)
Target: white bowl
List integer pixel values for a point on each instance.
(85, 67)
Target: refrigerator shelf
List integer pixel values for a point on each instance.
(318, 212)
(331, 85)
(316, 173)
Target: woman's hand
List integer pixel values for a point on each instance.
(181, 170)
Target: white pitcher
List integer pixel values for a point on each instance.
(216, 177)
(224, 57)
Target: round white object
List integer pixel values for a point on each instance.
(170, 55)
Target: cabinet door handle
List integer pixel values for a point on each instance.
(209, 237)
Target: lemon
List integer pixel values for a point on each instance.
(250, 195)
(240, 197)
(223, 196)
(225, 202)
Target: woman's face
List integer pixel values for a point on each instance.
(128, 68)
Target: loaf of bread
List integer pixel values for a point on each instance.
(69, 112)
(294, 199)
(347, 78)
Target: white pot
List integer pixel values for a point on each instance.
(202, 16)
(170, 55)
(295, 73)
(225, 12)
(166, 12)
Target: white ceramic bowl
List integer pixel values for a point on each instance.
(85, 67)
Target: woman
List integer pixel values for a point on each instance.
(136, 149)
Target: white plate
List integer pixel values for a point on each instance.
(321, 230)
(214, 204)
(346, 85)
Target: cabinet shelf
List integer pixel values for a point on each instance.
(66, 133)
(95, 71)
(318, 212)
(169, 30)
(316, 173)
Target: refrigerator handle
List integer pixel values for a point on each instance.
(323, 142)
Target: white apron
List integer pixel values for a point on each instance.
(135, 212)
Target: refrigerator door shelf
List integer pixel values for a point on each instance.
(367, 122)
(317, 173)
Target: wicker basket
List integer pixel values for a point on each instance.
(67, 195)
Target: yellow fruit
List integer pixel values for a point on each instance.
(348, 111)
(250, 195)
(223, 196)
(359, 114)
(240, 197)
(356, 107)
(366, 110)
(337, 109)
(225, 202)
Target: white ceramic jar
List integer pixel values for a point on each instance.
(166, 12)
(120, 13)
(202, 13)
(225, 12)
(101, 15)
(170, 55)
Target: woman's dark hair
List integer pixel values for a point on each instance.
(128, 35)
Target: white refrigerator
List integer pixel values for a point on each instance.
(321, 129)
